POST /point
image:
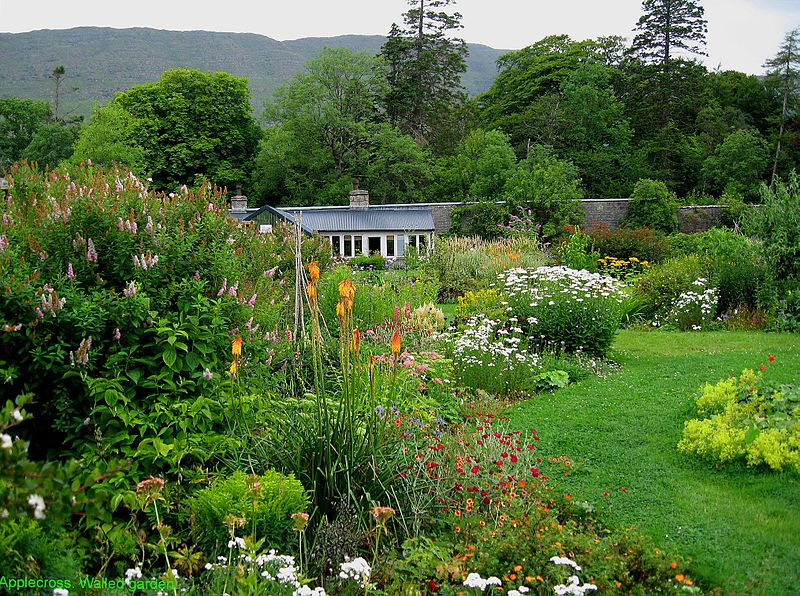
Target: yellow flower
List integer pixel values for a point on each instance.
(311, 290)
(340, 309)
(236, 346)
(313, 270)
(234, 368)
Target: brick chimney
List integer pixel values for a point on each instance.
(359, 198)
(238, 201)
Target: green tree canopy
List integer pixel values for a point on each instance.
(424, 69)
(738, 164)
(110, 138)
(192, 124)
(19, 121)
(549, 187)
(480, 167)
(50, 145)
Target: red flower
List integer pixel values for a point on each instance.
(763, 367)
(475, 469)
(623, 489)
(535, 472)
(771, 358)
(514, 458)
(504, 454)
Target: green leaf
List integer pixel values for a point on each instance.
(169, 356)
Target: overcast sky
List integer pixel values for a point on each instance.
(741, 33)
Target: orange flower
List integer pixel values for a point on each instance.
(356, 340)
(313, 270)
(673, 565)
(234, 368)
(396, 342)
(680, 577)
(340, 309)
(311, 290)
(236, 346)
(347, 289)
(518, 568)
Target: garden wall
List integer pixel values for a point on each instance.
(607, 212)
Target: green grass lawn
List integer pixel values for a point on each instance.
(739, 527)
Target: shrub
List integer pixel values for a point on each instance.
(484, 219)
(576, 253)
(464, 264)
(564, 309)
(653, 206)
(663, 284)
(694, 309)
(777, 225)
(491, 356)
(643, 243)
(264, 504)
(747, 419)
(374, 262)
(487, 302)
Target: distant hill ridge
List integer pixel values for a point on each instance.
(101, 61)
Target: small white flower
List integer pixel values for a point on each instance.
(6, 442)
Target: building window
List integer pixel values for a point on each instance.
(336, 243)
(423, 244)
(348, 245)
(390, 245)
(358, 246)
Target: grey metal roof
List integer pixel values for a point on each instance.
(366, 220)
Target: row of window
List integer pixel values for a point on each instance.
(390, 245)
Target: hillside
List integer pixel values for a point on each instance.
(100, 62)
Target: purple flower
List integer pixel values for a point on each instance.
(208, 375)
(119, 185)
(252, 302)
(223, 287)
(91, 253)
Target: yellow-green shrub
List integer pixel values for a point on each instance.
(487, 302)
(747, 419)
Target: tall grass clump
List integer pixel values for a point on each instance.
(563, 309)
(463, 264)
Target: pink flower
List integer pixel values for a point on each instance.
(208, 375)
(252, 302)
(91, 253)
(117, 334)
(3, 243)
(223, 287)
(70, 272)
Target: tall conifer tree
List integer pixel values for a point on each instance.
(424, 68)
(666, 28)
(784, 67)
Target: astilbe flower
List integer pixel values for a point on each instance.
(81, 355)
(91, 253)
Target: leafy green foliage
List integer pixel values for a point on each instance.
(479, 168)
(19, 121)
(777, 224)
(110, 139)
(643, 243)
(190, 124)
(738, 164)
(261, 505)
(661, 285)
(549, 187)
(653, 206)
(424, 70)
(747, 418)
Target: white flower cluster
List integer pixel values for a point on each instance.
(37, 502)
(357, 569)
(6, 442)
(131, 574)
(695, 308)
(474, 580)
(489, 343)
(574, 586)
(546, 285)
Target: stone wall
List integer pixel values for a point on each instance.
(604, 212)
(598, 212)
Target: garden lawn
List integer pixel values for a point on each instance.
(738, 526)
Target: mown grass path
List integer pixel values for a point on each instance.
(739, 526)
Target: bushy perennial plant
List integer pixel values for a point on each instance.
(695, 308)
(492, 356)
(565, 309)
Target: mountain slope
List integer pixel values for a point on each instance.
(100, 62)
